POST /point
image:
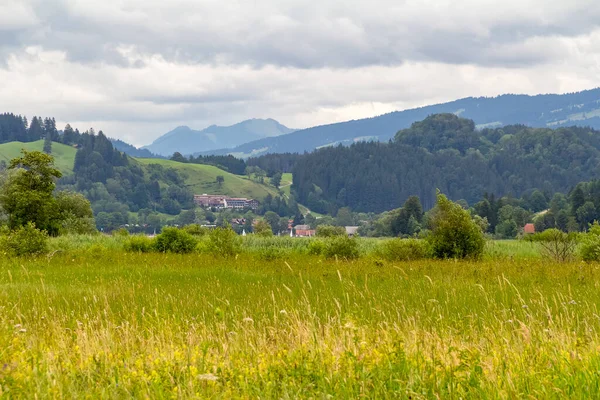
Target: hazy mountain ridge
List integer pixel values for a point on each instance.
(547, 110)
(131, 150)
(187, 141)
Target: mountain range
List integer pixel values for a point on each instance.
(187, 141)
(256, 137)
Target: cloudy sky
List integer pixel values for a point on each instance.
(138, 68)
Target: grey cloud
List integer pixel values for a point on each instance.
(292, 33)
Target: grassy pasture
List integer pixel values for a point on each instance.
(64, 156)
(93, 321)
(202, 179)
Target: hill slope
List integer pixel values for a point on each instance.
(64, 156)
(199, 178)
(188, 141)
(202, 179)
(551, 110)
(446, 152)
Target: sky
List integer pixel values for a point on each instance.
(139, 68)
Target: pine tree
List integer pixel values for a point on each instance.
(48, 144)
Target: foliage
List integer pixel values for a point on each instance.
(263, 229)
(139, 244)
(316, 247)
(75, 213)
(557, 245)
(223, 242)
(404, 249)
(174, 240)
(25, 240)
(196, 230)
(328, 231)
(447, 152)
(590, 243)
(27, 195)
(341, 247)
(454, 234)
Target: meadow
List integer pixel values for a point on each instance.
(94, 321)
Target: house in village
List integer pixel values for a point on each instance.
(220, 201)
(351, 230)
(304, 231)
(529, 229)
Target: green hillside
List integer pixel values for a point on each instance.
(64, 156)
(199, 178)
(202, 179)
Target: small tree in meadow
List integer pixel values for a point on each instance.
(454, 234)
(558, 245)
(263, 229)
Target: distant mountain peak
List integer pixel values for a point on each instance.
(185, 140)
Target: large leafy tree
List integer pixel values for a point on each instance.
(27, 194)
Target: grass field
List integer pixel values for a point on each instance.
(64, 156)
(202, 179)
(96, 322)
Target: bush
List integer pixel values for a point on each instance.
(327, 231)
(25, 241)
(316, 247)
(590, 244)
(174, 240)
(223, 242)
(404, 249)
(556, 244)
(139, 244)
(121, 232)
(341, 247)
(263, 229)
(454, 234)
(196, 230)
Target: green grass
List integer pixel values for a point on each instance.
(64, 156)
(101, 323)
(92, 320)
(286, 183)
(202, 179)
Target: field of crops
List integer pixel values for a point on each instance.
(95, 321)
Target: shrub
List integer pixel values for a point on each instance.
(139, 244)
(556, 244)
(196, 230)
(327, 231)
(590, 244)
(223, 242)
(404, 249)
(316, 247)
(174, 240)
(25, 240)
(263, 229)
(342, 247)
(121, 232)
(454, 234)
(271, 253)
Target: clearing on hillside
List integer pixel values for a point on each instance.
(202, 178)
(64, 156)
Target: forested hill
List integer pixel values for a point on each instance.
(446, 152)
(551, 110)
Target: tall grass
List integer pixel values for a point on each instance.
(121, 325)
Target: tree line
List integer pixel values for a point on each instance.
(446, 152)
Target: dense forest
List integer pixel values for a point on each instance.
(446, 152)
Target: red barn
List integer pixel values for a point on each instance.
(529, 229)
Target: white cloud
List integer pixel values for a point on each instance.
(136, 69)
